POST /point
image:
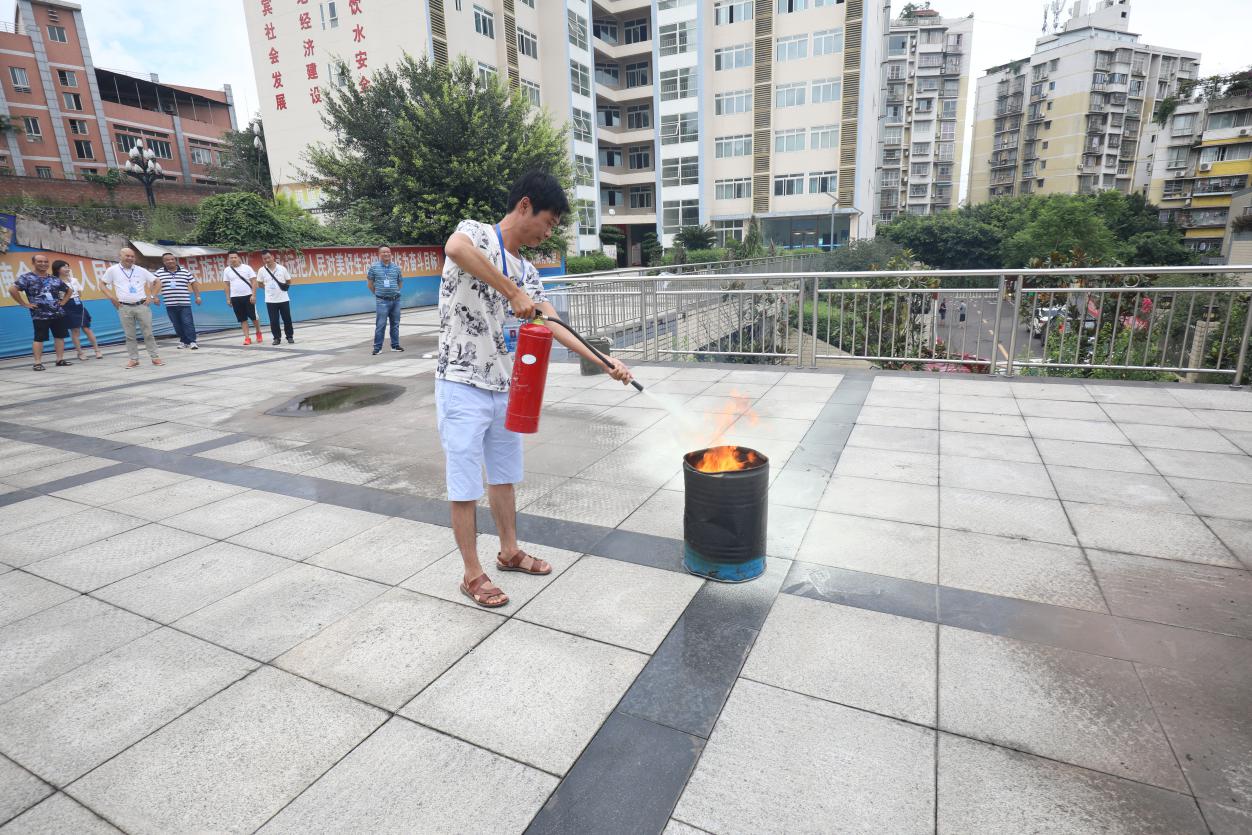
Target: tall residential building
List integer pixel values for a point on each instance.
(1203, 157)
(925, 98)
(681, 112)
(72, 118)
(1070, 118)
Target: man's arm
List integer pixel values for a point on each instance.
(106, 287)
(17, 297)
(369, 279)
(152, 287)
(470, 258)
(194, 286)
(619, 371)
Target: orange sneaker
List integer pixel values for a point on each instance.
(247, 342)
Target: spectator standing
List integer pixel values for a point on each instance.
(77, 317)
(277, 296)
(178, 285)
(241, 294)
(385, 282)
(46, 297)
(943, 310)
(133, 290)
(961, 311)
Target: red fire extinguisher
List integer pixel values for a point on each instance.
(530, 372)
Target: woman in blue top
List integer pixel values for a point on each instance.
(77, 317)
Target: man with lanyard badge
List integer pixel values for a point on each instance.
(132, 289)
(241, 294)
(484, 275)
(277, 299)
(385, 282)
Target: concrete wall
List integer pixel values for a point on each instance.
(71, 192)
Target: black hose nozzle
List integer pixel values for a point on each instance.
(603, 360)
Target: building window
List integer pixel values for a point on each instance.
(609, 117)
(586, 218)
(947, 131)
(788, 185)
(484, 22)
(943, 172)
(330, 15)
(731, 11)
(791, 48)
(789, 140)
(789, 95)
(826, 89)
(726, 104)
(530, 3)
(612, 197)
(580, 78)
(1223, 153)
(73, 101)
(83, 149)
(733, 146)
(678, 128)
(728, 230)
(577, 30)
(789, 6)
(828, 41)
(1230, 119)
(823, 137)
(201, 155)
(21, 81)
(78, 127)
(892, 136)
(605, 30)
(30, 126)
(57, 34)
(1176, 157)
(611, 158)
(160, 147)
(823, 182)
(897, 44)
(486, 73)
(675, 214)
(677, 38)
(67, 78)
(584, 170)
(636, 30)
(582, 125)
(662, 5)
(919, 169)
(638, 116)
(527, 43)
(732, 57)
(43, 172)
(735, 189)
(637, 75)
(609, 74)
(640, 157)
(678, 84)
(680, 171)
(921, 149)
(641, 197)
(531, 89)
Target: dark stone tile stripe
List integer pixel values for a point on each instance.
(83, 478)
(205, 446)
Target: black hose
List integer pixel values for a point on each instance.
(590, 347)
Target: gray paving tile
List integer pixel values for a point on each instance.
(876, 546)
(23, 594)
(889, 465)
(42, 475)
(389, 553)
(443, 577)
(974, 445)
(557, 458)
(308, 531)
(372, 789)
(59, 814)
(1064, 409)
(856, 657)
(992, 790)
(978, 405)
(787, 528)
(660, 515)
(1134, 395)
(1002, 425)
(1226, 820)
(19, 789)
(1215, 498)
(175, 499)
(1167, 535)
(73, 723)
(1002, 514)
(88, 525)
(271, 616)
(895, 438)
(181, 586)
(576, 681)
(1209, 725)
(993, 476)
(797, 394)
(36, 459)
(796, 487)
(1177, 437)
(134, 483)
(894, 416)
(902, 399)
(1065, 705)
(765, 769)
(1089, 431)
(1202, 465)
(1136, 490)
(1091, 456)
(1236, 535)
(1198, 398)
(234, 761)
(895, 500)
(974, 386)
(891, 382)
(1243, 440)
(1010, 567)
(1239, 421)
(235, 514)
(109, 560)
(385, 652)
(582, 500)
(46, 644)
(249, 450)
(1184, 594)
(809, 379)
(36, 510)
(1156, 415)
(631, 606)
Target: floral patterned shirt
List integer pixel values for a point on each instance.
(472, 315)
(45, 293)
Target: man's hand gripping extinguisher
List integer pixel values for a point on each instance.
(530, 373)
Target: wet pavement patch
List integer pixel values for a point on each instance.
(338, 399)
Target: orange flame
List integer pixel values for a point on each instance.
(725, 459)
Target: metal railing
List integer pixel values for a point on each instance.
(1162, 322)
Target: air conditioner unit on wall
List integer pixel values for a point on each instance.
(1244, 132)
(1206, 166)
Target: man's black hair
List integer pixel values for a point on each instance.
(267, 252)
(233, 252)
(170, 254)
(544, 191)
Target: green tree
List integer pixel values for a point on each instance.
(241, 220)
(424, 146)
(1061, 224)
(242, 163)
(695, 237)
(949, 240)
(651, 249)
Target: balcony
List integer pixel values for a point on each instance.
(625, 136)
(624, 95)
(622, 176)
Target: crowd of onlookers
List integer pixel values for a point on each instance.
(53, 295)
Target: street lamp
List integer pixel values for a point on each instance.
(142, 165)
(260, 149)
(834, 204)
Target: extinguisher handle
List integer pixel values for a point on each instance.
(589, 347)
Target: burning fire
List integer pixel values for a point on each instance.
(725, 459)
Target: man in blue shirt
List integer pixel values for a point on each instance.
(46, 297)
(385, 282)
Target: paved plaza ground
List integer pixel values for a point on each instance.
(990, 606)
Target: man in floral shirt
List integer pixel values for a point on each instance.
(484, 275)
(46, 297)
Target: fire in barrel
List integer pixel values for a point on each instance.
(724, 521)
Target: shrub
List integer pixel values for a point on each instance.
(594, 262)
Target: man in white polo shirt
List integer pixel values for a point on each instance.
(277, 298)
(132, 289)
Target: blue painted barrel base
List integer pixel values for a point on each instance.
(722, 572)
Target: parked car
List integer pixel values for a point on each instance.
(1043, 318)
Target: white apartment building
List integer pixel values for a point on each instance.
(925, 92)
(1071, 117)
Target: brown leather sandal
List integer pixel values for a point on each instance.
(481, 590)
(518, 563)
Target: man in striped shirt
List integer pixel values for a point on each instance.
(177, 286)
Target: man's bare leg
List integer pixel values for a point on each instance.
(36, 348)
(465, 531)
(503, 501)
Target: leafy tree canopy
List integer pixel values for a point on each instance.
(241, 220)
(243, 164)
(695, 237)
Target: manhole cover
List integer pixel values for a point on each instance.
(338, 399)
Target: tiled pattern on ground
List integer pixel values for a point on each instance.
(1015, 606)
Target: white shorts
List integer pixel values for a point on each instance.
(471, 427)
